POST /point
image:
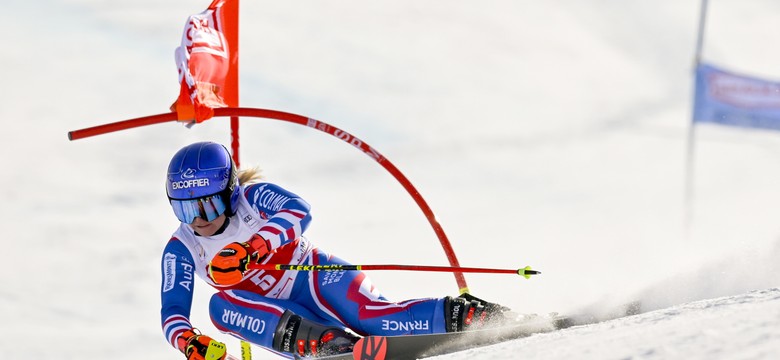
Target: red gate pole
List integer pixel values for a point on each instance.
(315, 124)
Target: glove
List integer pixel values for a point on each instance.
(200, 347)
(230, 263)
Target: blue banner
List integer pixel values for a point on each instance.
(730, 99)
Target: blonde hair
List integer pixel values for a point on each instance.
(249, 176)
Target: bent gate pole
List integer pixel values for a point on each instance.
(308, 122)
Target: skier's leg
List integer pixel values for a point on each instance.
(351, 298)
(280, 325)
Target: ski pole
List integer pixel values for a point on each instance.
(525, 272)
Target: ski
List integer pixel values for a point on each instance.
(406, 347)
(421, 346)
(595, 315)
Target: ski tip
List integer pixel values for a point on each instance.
(370, 348)
(526, 272)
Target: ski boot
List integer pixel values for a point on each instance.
(304, 337)
(468, 312)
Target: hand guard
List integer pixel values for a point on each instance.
(200, 347)
(230, 263)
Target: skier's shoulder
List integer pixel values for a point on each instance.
(261, 187)
(273, 197)
(181, 243)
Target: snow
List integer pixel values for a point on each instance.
(742, 326)
(550, 134)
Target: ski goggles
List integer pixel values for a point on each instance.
(207, 208)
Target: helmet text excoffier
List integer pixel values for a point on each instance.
(186, 184)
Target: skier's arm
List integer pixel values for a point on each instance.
(287, 218)
(288, 215)
(178, 275)
(178, 271)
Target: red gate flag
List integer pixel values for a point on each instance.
(204, 60)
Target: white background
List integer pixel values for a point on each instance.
(550, 134)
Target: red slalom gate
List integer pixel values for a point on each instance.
(361, 145)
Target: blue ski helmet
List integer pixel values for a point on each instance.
(202, 182)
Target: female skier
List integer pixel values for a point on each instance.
(229, 220)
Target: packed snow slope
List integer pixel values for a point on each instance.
(745, 326)
(550, 134)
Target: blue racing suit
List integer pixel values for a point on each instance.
(252, 308)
